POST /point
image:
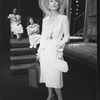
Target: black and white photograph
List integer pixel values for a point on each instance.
(48, 50)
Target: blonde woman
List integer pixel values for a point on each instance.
(33, 33)
(54, 36)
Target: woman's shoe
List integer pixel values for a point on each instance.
(52, 98)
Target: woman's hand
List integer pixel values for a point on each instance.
(38, 56)
(60, 46)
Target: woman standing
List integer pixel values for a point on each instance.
(32, 31)
(55, 35)
(15, 24)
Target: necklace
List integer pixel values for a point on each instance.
(52, 25)
(53, 18)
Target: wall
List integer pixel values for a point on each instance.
(90, 31)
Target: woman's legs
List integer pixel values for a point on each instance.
(59, 94)
(30, 41)
(18, 35)
(50, 94)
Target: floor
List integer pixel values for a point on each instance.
(80, 82)
(84, 52)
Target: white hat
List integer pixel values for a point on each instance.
(43, 6)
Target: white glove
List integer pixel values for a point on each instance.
(60, 46)
(38, 56)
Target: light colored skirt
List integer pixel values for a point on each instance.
(49, 74)
(34, 39)
(16, 29)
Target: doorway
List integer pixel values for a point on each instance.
(26, 8)
(77, 14)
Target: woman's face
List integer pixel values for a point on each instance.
(31, 21)
(53, 5)
(14, 10)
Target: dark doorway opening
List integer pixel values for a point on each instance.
(25, 8)
(30, 8)
(77, 16)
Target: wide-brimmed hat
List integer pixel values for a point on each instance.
(44, 6)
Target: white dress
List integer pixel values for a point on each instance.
(34, 37)
(49, 54)
(15, 27)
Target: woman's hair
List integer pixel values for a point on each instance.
(29, 19)
(47, 2)
(14, 9)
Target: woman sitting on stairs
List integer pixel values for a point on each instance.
(32, 31)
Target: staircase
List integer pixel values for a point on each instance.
(76, 39)
(21, 56)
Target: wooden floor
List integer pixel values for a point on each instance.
(80, 82)
(23, 40)
(83, 52)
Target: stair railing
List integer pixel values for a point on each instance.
(79, 33)
(76, 26)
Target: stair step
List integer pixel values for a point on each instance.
(22, 51)
(76, 39)
(22, 59)
(17, 45)
(23, 66)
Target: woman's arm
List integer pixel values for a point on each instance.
(42, 40)
(10, 16)
(29, 31)
(65, 30)
(66, 36)
(35, 28)
(38, 28)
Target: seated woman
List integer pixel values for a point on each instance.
(32, 31)
(15, 23)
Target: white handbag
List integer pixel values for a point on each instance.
(60, 65)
